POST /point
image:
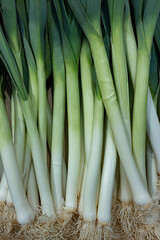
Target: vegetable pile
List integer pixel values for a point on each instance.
(79, 119)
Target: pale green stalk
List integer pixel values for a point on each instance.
(12, 116)
(94, 162)
(82, 161)
(71, 42)
(87, 94)
(74, 128)
(119, 63)
(42, 122)
(37, 22)
(121, 82)
(57, 140)
(107, 179)
(130, 44)
(140, 110)
(88, 108)
(57, 134)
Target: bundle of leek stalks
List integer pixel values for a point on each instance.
(79, 125)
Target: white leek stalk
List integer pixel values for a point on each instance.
(23, 210)
(71, 48)
(107, 179)
(88, 108)
(121, 82)
(57, 135)
(58, 119)
(94, 163)
(74, 131)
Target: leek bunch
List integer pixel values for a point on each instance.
(79, 131)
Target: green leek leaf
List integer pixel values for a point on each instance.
(37, 23)
(9, 61)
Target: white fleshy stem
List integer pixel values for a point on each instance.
(74, 135)
(57, 138)
(88, 108)
(121, 84)
(94, 162)
(124, 193)
(58, 115)
(107, 179)
(42, 105)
